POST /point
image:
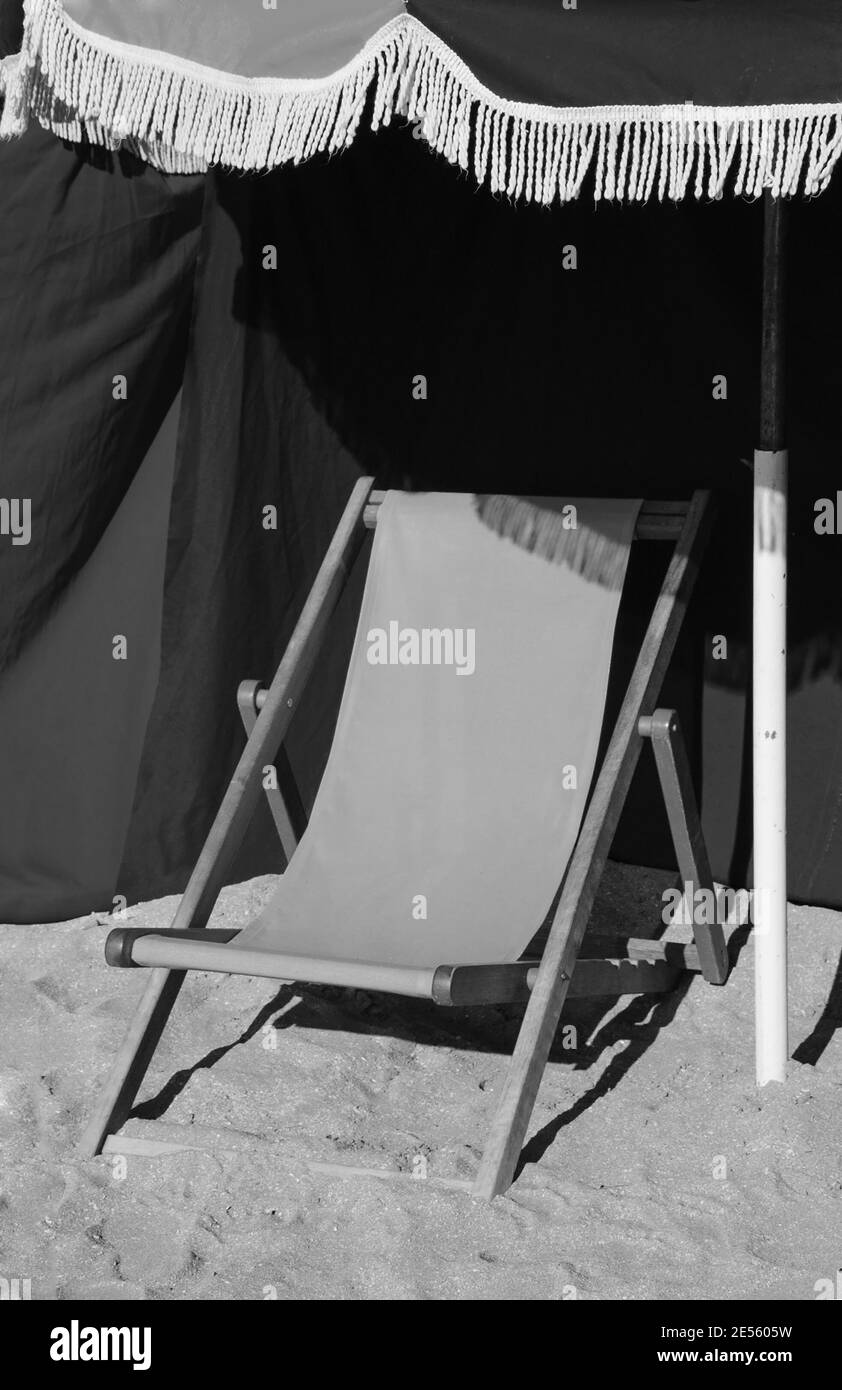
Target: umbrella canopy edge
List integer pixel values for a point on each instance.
(184, 117)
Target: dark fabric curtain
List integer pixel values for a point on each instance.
(96, 264)
(253, 436)
(539, 378)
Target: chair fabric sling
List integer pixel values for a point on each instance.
(466, 738)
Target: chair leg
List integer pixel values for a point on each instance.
(232, 819)
(574, 908)
(664, 731)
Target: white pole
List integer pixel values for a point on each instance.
(769, 745)
(769, 673)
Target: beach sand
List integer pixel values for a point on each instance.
(654, 1167)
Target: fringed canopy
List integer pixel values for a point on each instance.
(640, 98)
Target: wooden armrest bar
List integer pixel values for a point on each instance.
(656, 521)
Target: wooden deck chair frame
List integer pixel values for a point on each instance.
(545, 983)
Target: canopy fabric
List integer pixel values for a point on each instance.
(467, 735)
(641, 98)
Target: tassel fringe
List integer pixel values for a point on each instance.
(541, 530)
(184, 118)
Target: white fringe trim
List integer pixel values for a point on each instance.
(183, 117)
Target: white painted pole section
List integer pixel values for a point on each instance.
(769, 744)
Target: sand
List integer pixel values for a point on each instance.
(654, 1168)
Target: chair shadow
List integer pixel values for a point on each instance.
(736, 942)
(368, 1014)
(639, 1024)
(811, 1049)
(157, 1105)
(487, 1030)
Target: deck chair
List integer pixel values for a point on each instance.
(499, 719)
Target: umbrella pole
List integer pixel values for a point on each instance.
(769, 668)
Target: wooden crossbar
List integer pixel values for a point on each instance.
(656, 520)
(650, 971)
(161, 1139)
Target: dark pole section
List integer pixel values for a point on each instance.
(772, 394)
